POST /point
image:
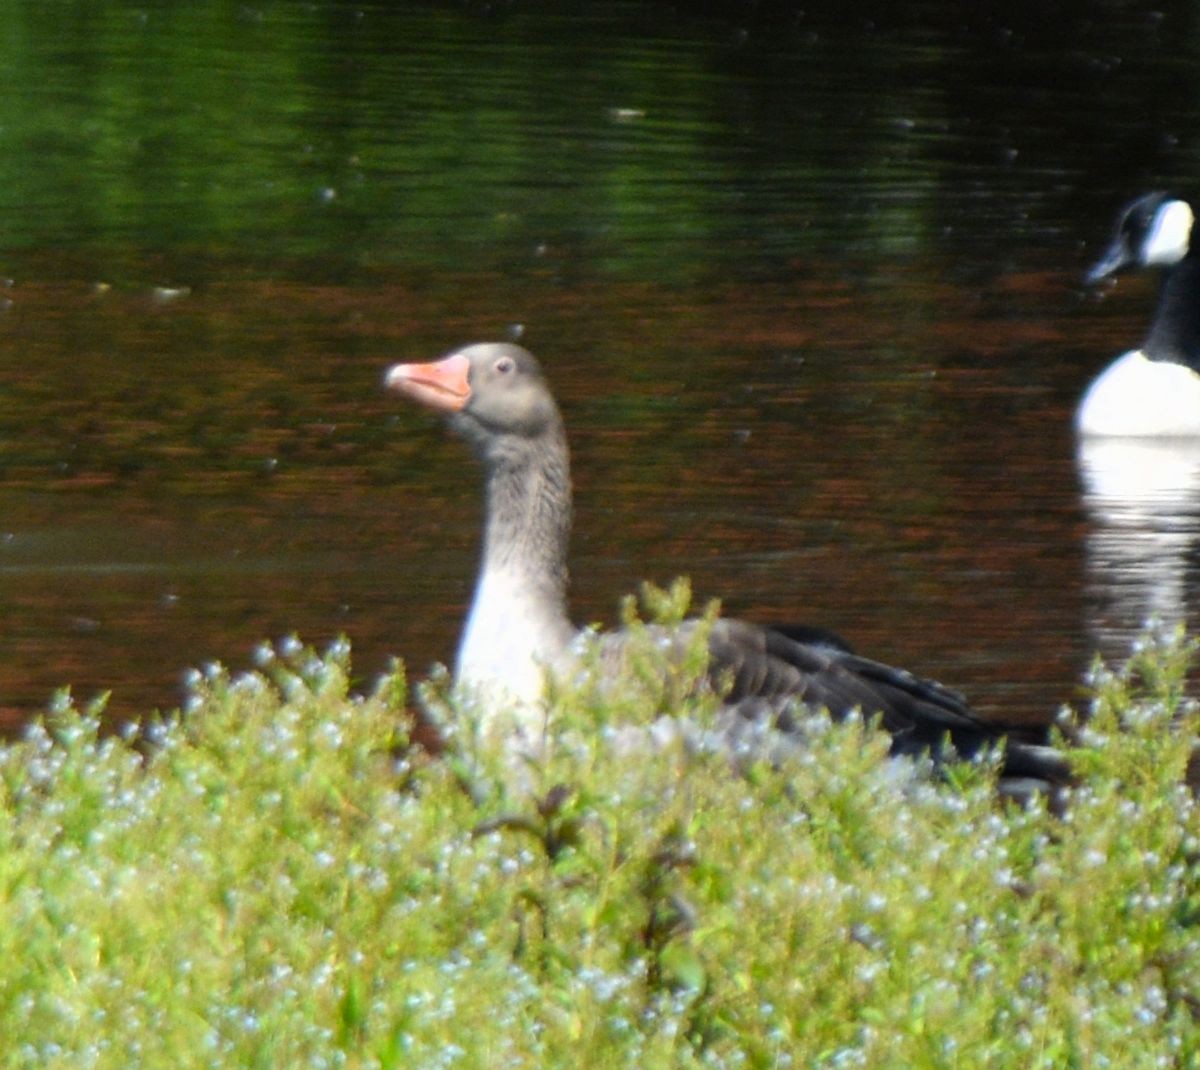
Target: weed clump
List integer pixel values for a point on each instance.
(273, 877)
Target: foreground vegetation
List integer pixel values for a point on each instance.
(272, 878)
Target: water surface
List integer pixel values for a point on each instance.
(806, 283)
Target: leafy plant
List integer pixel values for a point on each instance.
(275, 876)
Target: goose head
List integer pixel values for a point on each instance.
(1153, 230)
(494, 394)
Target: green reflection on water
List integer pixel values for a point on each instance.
(540, 142)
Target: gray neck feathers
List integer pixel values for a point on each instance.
(529, 514)
(518, 629)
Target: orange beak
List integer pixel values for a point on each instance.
(441, 384)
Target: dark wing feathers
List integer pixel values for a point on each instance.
(768, 673)
(813, 636)
(772, 679)
(763, 663)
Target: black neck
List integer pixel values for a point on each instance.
(1175, 332)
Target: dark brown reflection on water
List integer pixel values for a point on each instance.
(187, 475)
(802, 276)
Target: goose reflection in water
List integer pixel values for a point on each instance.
(1142, 497)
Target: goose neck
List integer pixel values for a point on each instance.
(529, 520)
(1175, 331)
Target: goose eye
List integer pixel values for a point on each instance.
(504, 365)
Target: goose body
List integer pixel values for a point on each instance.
(1153, 390)
(518, 632)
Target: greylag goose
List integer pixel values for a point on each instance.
(496, 398)
(1154, 389)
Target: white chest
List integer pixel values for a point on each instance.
(1137, 396)
(509, 642)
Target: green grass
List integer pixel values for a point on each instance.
(270, 879)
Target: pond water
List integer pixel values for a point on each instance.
(807, 284)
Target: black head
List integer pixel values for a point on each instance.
(1155, 229)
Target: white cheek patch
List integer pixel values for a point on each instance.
(1169, 235)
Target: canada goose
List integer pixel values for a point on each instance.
(1153, 390)
(518, 630)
